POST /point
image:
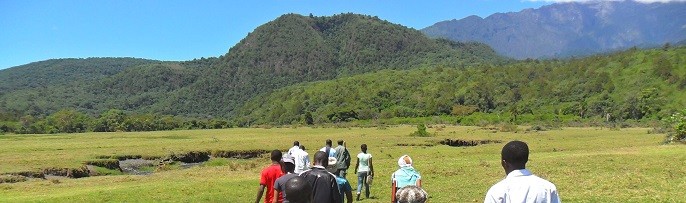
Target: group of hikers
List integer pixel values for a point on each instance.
(291, 178)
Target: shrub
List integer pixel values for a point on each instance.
(421, 131)
(678, 123)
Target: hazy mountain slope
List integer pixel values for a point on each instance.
(571, 29)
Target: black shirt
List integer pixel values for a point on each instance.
(324, 185)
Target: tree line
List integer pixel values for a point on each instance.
(113, 120)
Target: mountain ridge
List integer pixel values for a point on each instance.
(571, 29)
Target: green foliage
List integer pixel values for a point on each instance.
(678, 123)
(103, 171)
(421, 131)
(67, 121)
(216, 162)
(563, 91)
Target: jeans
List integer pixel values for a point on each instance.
(362, 179)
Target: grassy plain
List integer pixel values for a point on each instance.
(586, 164)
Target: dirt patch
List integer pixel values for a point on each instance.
(246, 154)
(467, 143)
(105, 163)
(12, 178)
(29, 174)
(191, 157)
(67, 172)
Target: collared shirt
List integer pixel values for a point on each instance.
(292, 150)
(302, 160)
(523, 186)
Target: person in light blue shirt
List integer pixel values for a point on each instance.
(328, 150)
(343, 184)
(406, 175)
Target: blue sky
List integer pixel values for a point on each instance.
(33, 30)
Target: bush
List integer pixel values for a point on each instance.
(678, 123)
(421, 131)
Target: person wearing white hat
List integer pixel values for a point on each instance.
(287, 167)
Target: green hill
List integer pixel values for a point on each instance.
(294, 49)
(633, 84)
(289, 50)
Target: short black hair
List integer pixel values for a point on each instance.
(302, 147)
(276, 155)
(288, 166)
(296, 143)
(328, 142)
(298, 190)
(340, 142)
(515, 152)
(321, 158)
(363, 147)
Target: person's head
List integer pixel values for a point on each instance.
(276, 155)
(288, 165)
(302, 147)
(328, 143)
(514, 156)
(363, 147)
(321, 159)
(405, 161)
(298, 190)
(296, 143)
(411, 194)
(340, 142)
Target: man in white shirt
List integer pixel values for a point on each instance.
(296, 147)
(520, 185)
(302, 160)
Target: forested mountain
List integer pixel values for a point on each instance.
(63, 71)
(289, 50)
(294, 49)
(633, 84)
(571, 28)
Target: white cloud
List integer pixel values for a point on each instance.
(641, 1)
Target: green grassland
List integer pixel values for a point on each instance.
(586, 164)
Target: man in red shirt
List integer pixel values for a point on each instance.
(267, 178)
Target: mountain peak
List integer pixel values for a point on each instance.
(571, 28)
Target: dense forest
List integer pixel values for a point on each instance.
(633, 84)
(312, 70)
